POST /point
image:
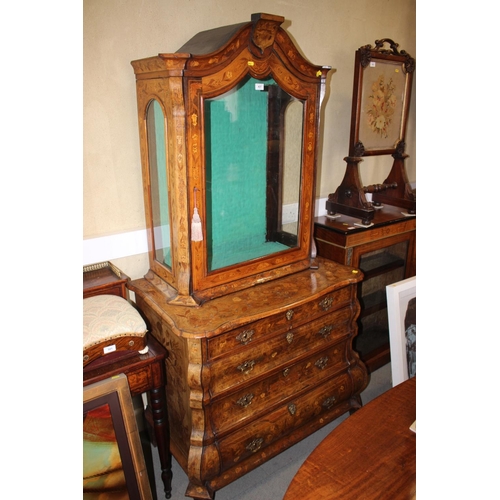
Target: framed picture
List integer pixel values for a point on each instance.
(113, 462)
(381, 99)
(401, 309)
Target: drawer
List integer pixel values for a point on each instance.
(257, 358)
(254, 437)
(283, 321)
(140, 381)
(258, 398)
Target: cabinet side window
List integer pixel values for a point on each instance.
(159, 189)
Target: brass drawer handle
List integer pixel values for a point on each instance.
(326, 303)
(245, 337)
(325, 331)
(289, 337)
(292, 409)
(254, 445)
(247, 366)
(286, 372)
(329, 402)
(289, 314)
(245, 400)
(321, 363)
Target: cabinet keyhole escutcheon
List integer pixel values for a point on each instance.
(329, 402)
(246, 367)
(245, 337)
(321, 363)
(325, 331)
(326, 303)
(254, 445)
(245, 400)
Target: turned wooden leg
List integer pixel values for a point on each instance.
(162, 435)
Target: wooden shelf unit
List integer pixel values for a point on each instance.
(386, 253)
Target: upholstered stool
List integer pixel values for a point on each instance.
(111, 324)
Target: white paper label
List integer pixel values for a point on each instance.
(259, 86)
(109, 349)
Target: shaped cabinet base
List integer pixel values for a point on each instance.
(252, 373)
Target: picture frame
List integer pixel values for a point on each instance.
(381, 99)
(401, 310)
(113, 461)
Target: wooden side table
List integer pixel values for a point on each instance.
(145, 373)
(386, 253)
(104, 278)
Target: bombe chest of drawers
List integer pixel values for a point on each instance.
(254, 372)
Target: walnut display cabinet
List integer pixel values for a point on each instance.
(259, 330)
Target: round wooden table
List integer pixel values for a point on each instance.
(370, 455)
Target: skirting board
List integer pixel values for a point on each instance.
(121, 245)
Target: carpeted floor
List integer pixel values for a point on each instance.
(269, 481)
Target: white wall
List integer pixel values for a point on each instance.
(328, 32)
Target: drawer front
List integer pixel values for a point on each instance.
(140, 381)
(258, 398)
(283, 321)
(284, 420)
(246, 364)
(117, 289)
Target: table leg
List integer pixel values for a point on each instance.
(162, 435)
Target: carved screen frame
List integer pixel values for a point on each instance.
(378, 121)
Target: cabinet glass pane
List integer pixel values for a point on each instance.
(381, 268)
(159, 183)
(253, 138)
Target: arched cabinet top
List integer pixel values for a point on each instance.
(261, 39)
